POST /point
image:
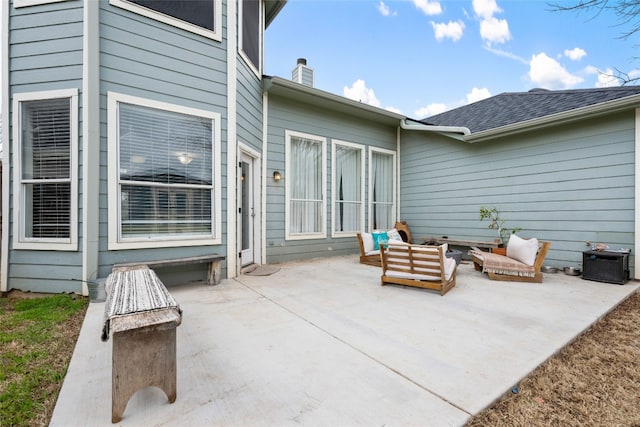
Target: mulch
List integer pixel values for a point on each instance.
(594, 381)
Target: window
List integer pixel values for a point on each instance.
(161, 160)
(382, 185)
(45, 160)
(250, 40)
(202, 17)
(347, 188)
(305, 186)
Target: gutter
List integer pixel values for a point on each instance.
(607, 107)
(456, 132)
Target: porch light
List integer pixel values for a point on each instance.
(276, 176)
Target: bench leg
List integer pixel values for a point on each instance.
(141, 358)
(215, 272)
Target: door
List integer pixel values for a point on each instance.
(247, 209)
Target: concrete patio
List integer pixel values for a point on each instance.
(322, 343)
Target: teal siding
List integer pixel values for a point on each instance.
(149, 59)
(249, 92)
(289, 115)
(45, 53)
(566, 184)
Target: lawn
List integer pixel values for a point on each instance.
(37, 337)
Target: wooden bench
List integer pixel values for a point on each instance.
(419, 266)
(142, 316)
(214, 273)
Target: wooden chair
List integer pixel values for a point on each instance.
(368, 257)
(503, 268)
(403, 229)
(419, 266)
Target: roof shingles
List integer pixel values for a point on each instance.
(515, 107)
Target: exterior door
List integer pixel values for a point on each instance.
(247, 209)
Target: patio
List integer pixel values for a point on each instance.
(322, 343)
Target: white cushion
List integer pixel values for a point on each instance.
(523, 250)
(449, 268)
(398, 242)
(367, 242)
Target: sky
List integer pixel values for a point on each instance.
(422, 57)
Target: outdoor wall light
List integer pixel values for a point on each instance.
(276, 176)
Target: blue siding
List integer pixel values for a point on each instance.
(45, 53)
(149, 59)
(567, 184)
(289, 115)
(249, 107)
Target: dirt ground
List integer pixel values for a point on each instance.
(594, 381)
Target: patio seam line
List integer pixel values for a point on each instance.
(395, 371)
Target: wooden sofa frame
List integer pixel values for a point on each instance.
(373, 259)
(420, 260)
(537, 267)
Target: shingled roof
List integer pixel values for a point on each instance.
(515, 107)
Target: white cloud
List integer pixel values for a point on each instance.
(506, 54)
(478, 95)
(604, 78)
(360, 92)
(575, 54)
(494, 30)
(485, 8)
(384, 10)
(452, 30)
(431, 110)
(428, 7)
(548, 73)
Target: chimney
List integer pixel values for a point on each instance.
(302, 74)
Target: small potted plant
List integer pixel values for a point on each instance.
(497, 223)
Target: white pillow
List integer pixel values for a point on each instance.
(367, 242)
(394, 235)
(523, 250)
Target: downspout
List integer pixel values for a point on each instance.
(398, 169)
(91, 143)
(263, 180)
(636, 269)
(6, 145)
(232, 149)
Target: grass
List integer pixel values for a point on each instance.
(37, 338)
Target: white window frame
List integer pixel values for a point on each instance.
(243, 55)
(323, 141)
(216, 34)
(370, 184)
(116, 241)
(334, 190)
(20, 240)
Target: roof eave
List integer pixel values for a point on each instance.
(271, 10)
(581, 113)
(292, 90)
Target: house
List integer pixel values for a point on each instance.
(140, 131)
(560, 165)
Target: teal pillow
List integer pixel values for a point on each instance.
(379, 237)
